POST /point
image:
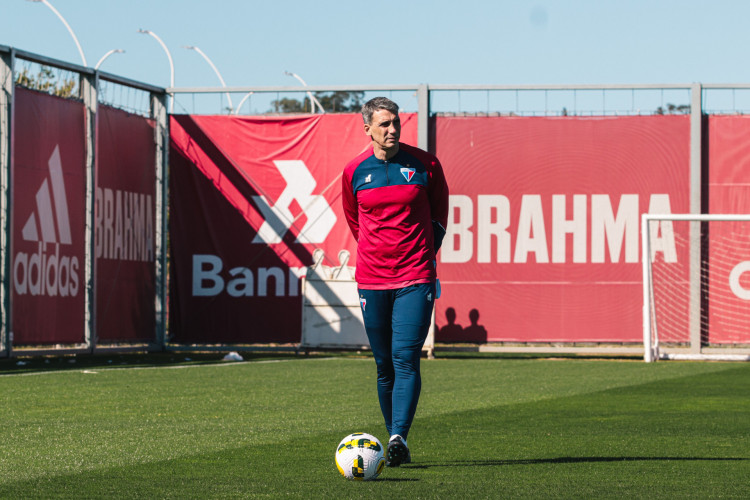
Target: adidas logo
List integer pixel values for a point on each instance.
(43, 273)
(44, 208)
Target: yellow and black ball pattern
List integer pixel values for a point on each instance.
(360, 457)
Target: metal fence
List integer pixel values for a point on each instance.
(514, 100)
(92, 88)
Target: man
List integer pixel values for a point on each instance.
(396, 204)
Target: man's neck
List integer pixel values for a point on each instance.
(384, 154)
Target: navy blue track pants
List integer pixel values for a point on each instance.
(397, 322)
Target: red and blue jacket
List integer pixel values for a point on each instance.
(397, 210)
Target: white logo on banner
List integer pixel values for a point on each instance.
(124, 225)
(734, 280)
(279, 219)
(613, 227)
(41, 273)
(44, 207)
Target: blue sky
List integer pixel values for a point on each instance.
(338, 42)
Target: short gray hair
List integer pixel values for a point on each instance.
(375, 104)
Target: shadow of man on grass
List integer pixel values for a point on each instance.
(566, 460)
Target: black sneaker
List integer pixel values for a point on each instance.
(397, 453)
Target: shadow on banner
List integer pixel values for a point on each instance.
(250, 199)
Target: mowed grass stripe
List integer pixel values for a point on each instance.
(270, 430)
(449, 384)
(257, 402)
(680, 438)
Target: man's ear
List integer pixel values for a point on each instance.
(367, 129)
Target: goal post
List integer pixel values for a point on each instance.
(696, 286)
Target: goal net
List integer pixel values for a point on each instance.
(696, 286)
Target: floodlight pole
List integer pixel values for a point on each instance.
(213, 66)
(70, 30)
(113, 51)
(171, 64)
(313, 99)
(239, 106)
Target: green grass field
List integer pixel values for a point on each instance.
(486, 427)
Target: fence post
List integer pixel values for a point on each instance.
(89, 85)
(423, 117)
(696, 154)
(6, 113)
(161, 138)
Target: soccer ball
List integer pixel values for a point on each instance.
(360, 456)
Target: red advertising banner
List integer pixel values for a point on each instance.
(728, 242)
(543, 243)
(251, 198)
(48, 206)
(125, 226)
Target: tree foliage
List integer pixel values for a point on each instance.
(332, 102)
(47, 81)
(341, 102)
(673, 109)
(287, 105)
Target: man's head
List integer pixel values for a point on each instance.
(382, 123)
(374, 105)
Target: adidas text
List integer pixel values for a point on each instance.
(46, 274)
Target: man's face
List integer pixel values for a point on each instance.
(384, 129)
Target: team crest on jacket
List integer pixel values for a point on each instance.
(363, 302)
(408, 173)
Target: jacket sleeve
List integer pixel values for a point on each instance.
(349, 201)
(438, 194)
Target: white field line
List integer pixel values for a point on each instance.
(94, 371)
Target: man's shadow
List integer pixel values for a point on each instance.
(454, 332)
(475, 332)
(566, 460)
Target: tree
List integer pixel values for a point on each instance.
(341, 102)
(673, 109)
(287, 105)
(47, 81)
(332, 102)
